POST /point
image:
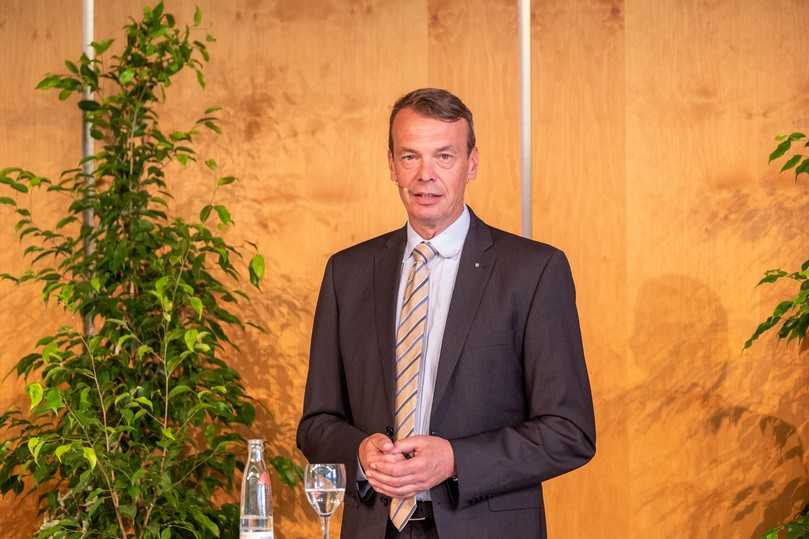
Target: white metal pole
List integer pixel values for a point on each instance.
(88, 13)
(525, 114)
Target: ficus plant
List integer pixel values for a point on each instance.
(792, 314)
(133, 429)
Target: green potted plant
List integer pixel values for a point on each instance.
(134, 423)
(792, 314)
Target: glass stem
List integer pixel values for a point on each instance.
(324, 525)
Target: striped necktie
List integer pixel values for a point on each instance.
(409, 352)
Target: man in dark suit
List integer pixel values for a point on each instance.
(446, 368)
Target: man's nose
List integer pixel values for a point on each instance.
(426, 170)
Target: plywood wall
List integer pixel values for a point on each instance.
(653, 122)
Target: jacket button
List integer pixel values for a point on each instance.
(389, 431)
(385, 501)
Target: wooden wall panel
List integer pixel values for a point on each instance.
(716, 435)
(473, 52)
(580, 206)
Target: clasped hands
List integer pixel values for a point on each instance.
(403, 468)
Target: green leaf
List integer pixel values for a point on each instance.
(17, 186)
(50, 81)
(179, 390)
(771, 276)
(200, 79)
(226, 180)
(53, 398)
(146, 402)
(197, 16)
(61, 450)
(289, 472)
(95, 282)
(211, 110)
(190, 338)
(224, 214)
(7, 201)
(168, 434)
(211, 164)
(35, 393)
(205, 521)
(783, 307)
(196, 304)
(35, 446)
(796, 136)
(792, 162)
(256, 270)
(780, 150)
(143, 350)
(65, 221)
(137, 476)
(88, 105)
(90, 455)
(49, 351)
(161, 284)
(177, 136)
(71, 67)
(126, 76)
(803, 168)
(205, 213)
(101, 47)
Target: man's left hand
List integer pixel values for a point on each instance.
(430, 461)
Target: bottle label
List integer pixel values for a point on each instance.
(255, 535)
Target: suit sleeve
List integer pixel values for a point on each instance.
(325, 431)
(559, 432)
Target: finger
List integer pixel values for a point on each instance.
(401, 467)
(372, 462)
(386, 446)
(413, 443)
(394, 492)
(395, 480)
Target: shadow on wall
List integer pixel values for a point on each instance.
(704, 463)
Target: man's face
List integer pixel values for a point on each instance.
(430, 165)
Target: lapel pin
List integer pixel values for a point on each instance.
(477, 264)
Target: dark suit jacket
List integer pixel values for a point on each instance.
(511, 394)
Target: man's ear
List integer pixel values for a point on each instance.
(472, 166)
(392, 168)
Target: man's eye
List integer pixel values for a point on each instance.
(408, 157)
(445, 156)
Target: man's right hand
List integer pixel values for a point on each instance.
(377, 448)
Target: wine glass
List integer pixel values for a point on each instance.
(325, 486)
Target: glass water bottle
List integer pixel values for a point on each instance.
(256, 510)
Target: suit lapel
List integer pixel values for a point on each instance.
(387, 272)
(474, 270)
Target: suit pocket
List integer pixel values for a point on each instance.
(493, 338)
(519, 499)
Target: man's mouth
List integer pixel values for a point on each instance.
(426, 197)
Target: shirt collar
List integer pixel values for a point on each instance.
(448, 242)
